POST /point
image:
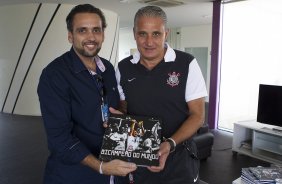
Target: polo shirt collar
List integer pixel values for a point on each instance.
(168, 57)
(78, 65)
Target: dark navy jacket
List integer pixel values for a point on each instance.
(71, 108)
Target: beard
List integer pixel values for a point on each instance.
(88, 53)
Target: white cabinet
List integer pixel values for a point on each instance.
(258, 140)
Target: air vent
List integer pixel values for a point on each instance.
(163, 3)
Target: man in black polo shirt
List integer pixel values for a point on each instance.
(162, 82)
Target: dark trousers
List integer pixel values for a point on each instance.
(182, 167)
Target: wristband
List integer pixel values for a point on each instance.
(172, 144)
(100, 168)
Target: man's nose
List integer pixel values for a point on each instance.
(149, 40)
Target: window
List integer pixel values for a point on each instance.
(251, 55)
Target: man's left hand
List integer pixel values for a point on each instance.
(163, 154)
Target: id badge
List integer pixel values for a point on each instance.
(105, 112)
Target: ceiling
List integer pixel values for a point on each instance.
(191, 12)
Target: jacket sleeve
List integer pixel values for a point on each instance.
(55, 107)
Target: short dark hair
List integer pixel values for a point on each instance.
(150, 11)
(84, 8)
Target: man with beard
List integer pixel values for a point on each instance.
(75, 91)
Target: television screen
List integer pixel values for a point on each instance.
(270, 105)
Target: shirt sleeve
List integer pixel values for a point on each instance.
(120, 90)
(56, 112)
(195, 85)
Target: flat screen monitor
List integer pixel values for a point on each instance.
(270, 105)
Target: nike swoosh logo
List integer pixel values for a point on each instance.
(130, 80)
(195, 179)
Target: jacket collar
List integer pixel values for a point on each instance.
(78, 65)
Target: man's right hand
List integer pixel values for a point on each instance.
(118, 167)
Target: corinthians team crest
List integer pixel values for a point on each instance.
(173, 79)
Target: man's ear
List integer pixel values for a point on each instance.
(166, 33)
(70, 38)
(103, 39)
(134, 33)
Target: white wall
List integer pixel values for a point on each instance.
(15, 22)
(12, 38)
(126, 42)
(198, 36)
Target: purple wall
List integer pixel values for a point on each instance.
(215, 66)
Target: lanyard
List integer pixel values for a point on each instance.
(98, 80)
(99, 83)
